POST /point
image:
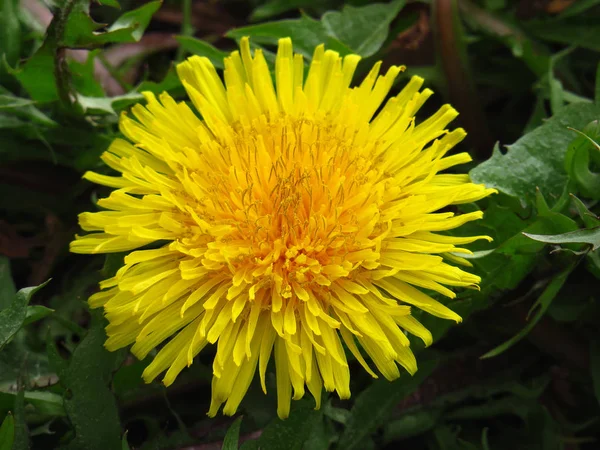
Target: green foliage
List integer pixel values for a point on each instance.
(233, 434)
(537, 159)
(521, 371)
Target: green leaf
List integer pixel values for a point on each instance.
(11, 102)
(581, 151)
(275, 7)
(579, 31)
(288, 434)
(590, 220)
(12, 317)
(587, 236)
(37, 74)
(21, 441)
(363, 29)
(7, 432)
(537, 159)
(87, 378)
(374, 405)
(10, 33)
(410, 425)
(45, 402)
(111, 3)
(35, 313)
(543, 302)
(124, 443)
(135, 21)
(577, 8)
(81, 31)
(306, 34)
(233, 435)
(7, 286)
(107, 105)
(202, 48)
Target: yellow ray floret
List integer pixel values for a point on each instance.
(295, 218)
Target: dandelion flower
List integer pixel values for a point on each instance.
(296, 218)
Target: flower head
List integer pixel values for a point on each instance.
(293, 218)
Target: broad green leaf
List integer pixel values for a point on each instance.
(87, 378)
(537, 159)
(202, 48)
(363, 29)
(374, 405)
(233, 435)
(586, 236)
(12, 317)
(37, 74)
(541, 305)
(7, 286)
(306, 34)
(7, 432)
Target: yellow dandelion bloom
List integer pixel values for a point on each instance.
(294, 218)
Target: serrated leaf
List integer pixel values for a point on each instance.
(374, 405)
(586, 236)
(536, 160)
(136, 21)
(107, 105)
(12, 317)
(202, 48)
(7, 432)
(306, 34)
(81, 31)
(363, 29)
(230, 442)
(87, 378)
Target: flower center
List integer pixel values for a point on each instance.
(297, 202)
